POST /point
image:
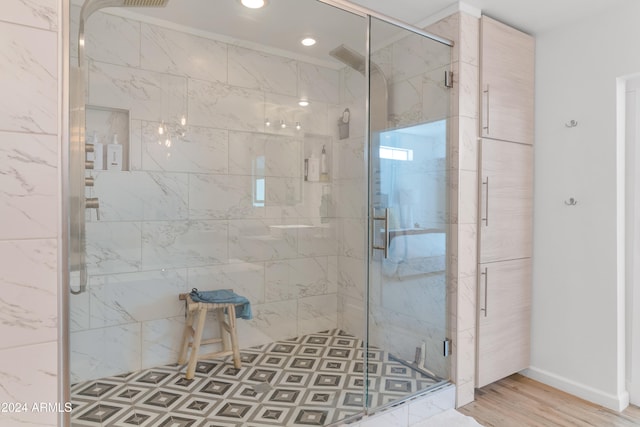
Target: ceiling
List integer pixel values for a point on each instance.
(282, 24)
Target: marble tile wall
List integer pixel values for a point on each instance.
(29, 195)
(188, 212)
(463, 29)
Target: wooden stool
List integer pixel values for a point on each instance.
(227, 333)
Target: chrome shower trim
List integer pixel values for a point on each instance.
(363, 11)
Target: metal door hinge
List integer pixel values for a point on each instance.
(446, 347)
(448, 79)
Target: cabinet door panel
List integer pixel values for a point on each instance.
(504, 330)
(506, 200)
(507, 82)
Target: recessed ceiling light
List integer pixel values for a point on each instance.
(308, 41)
(303, 103)
(254, 4)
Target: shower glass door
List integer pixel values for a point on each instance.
(409, 212)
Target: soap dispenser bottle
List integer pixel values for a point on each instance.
(97, 156)
(114, 155)
(324, 170)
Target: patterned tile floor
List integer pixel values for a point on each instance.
(313, 380)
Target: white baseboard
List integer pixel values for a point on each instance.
(613, 402)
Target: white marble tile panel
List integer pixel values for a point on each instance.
(415, 54)
(161, 341)
(177, 244)
(29, 66)
(351, 277)
(468, 197)
(258, 70)
(465, 89)
(97, 353)
(225, 107)
(405, 103)
(146, 94)
(135, 297)
(317, 313)
(275, 320)
(295, 278)
(317, 83)
(175, 52)
(28, 308)
(351, 198)
(395, 417)
(313, 118)
(113, 247)
(113, 39)
(78, 305)
(353, 238)
(282, 193)
(467, 250)
(466, 304)
(448, 28)
(320, 239)
(223, 197)
(465, 356)
(432, 404)
(29, 374)
(201, 150)
(253, 153)
(469, 45)
(135, 145)
(351, 315)
(34, 13)
(352, 85)
(332, 274)
(436, 96)
(28, 186)
(468, 143)
(262, 240)
(351, 159)
(246, 279)
(135, 196)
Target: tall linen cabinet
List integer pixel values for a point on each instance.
(505, 201)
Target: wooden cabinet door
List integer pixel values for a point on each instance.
(507, 82)
(505, 201)
(504, 318)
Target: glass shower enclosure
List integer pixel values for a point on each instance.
(209, 149)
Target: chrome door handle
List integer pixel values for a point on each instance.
(485, 273)
(486, 203)
(385, 243)
(485, 116)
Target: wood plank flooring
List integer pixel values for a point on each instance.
(517, 401)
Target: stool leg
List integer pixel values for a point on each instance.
(195, 347)
(188, 333)
(224, 336)
(234, 337)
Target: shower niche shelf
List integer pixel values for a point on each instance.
(104, 123)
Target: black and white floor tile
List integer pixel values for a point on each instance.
(313, 380)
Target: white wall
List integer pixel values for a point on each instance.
(632, 306)
(578, 283)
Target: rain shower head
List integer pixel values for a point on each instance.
(349, 57)
(90, 6)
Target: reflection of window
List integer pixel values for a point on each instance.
(258, 181)
(393, 153)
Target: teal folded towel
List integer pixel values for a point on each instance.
(224, 296)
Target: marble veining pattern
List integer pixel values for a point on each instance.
(28, 187)
(112, 39)
(34, 13)
(28, 65)
(174, 52)
(256, 70)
